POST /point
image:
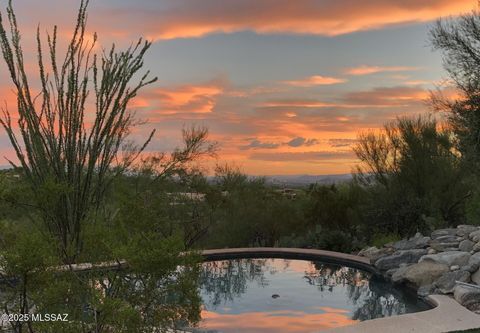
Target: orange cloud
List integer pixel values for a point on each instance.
(192, 99)
(191, 19)
(382, 97)
(365, 70)
(388, 96)
(299, 103)
(315, 80)
(417, 82)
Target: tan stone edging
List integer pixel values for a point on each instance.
(291, 253)
(254, 252)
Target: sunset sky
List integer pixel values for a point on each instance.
(283, 85)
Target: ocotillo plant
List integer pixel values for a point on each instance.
(69, 163)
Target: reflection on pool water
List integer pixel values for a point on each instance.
(279, 295)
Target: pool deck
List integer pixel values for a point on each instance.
(447, 315)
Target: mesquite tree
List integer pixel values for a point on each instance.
(71, 136)
(458, 39)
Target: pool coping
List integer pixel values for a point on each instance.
(291, 253)
(446, 314)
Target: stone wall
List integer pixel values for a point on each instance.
(446, 262)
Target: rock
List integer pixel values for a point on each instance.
(449, 258)
(475, 236)
(449, 239)
(432, 251)
(468, 297)
(472, 268)
(426, 290)
(476, 247)
(464, 230)
(454, 268)
(373, 253)
(466, 245)
(400, 257)
(474, 259)
(446, 283)
(417, 242)
(421, 274)
(390, 272)
(450, 249)
(476, 277)
(444, 232)
(442, 247)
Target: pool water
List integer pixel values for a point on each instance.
(279, 295)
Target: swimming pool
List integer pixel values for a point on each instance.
(290, 295)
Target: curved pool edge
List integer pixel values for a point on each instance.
(291, 253)
(446, 314)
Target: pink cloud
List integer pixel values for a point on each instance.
(315, 80)
(417, 82)
(295, 103)
(365, 69)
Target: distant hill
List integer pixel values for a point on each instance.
(304, 180)
(281, 180)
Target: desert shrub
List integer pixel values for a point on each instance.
(413, 176)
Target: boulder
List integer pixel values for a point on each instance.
(474, 259)
(390, 272)
(442, 246)
(469, 297)
(464, 230)
(476, 247)
(421, 274)
(444, 232)
(417, 242)
(472, 268)
(476, 277)
(400, 257)
(426, 290)
(449, 258)
(449, 239)
(475, 236)
(373, 253)
(447, 282)
(466, 245)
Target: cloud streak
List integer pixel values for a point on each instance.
(294, 143)
(315, 80)
(366, 70)
(172, 19)
(313, 156)
(255, 144)
(299, 142)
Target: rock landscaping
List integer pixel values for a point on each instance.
(446, 262)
